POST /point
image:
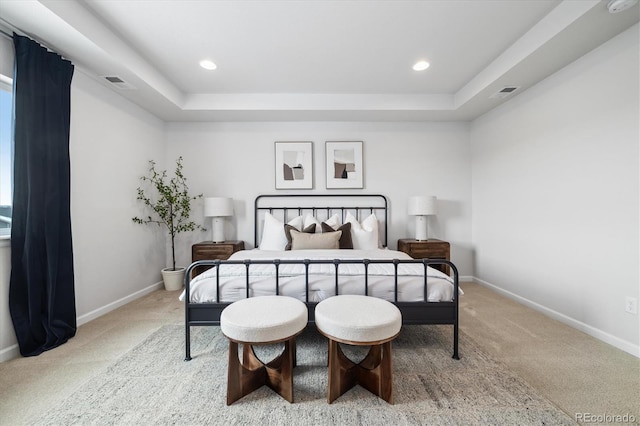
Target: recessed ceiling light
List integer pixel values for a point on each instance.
(421, 65)
(208, 65)
(616, 6)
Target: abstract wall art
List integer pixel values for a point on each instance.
(294, 165)
(344, 165)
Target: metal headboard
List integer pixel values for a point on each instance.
(325, 204)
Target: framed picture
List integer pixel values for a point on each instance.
(344, 164)
(294, 165)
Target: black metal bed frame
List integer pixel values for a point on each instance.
(208, 314)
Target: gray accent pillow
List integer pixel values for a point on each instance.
(325, 240)
(287, 231)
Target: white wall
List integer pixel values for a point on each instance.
(7, 55)
(111, 143)
(115, 260)
(400, 160)
(555, 193)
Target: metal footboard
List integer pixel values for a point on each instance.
(423, 312)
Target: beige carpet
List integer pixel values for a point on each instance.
(578, 373)
(151, 384)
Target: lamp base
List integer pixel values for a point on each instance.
(421, 228)
(217, 230)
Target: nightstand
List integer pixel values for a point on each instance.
(208, 250)
(427, 249)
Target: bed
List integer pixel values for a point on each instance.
(314, 246)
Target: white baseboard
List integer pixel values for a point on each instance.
(13, 351)
(10, 352)
(83, 319)
(621, 344)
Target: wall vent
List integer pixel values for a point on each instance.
(118, 82)
(504, 92)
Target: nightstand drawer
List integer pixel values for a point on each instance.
(428, 249)
(421, 252)
(208, 250)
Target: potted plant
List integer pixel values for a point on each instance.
(171, 208)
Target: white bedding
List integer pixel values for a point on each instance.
(321, 277)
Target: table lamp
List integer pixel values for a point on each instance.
(422, 206)
(218, 208)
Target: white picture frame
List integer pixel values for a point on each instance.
(294, 165)
(344, 165)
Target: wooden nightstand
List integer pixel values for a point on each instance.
(208, 250)
(429, 249)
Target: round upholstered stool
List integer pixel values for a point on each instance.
(362, 321)
(260, 321)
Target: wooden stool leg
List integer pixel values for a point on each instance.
(342, 375)
(251, 374)
(373, 373)
(280, 372)
(376, 373)
(243, 378)
(249, 358)
(233, 374)
(386, 376)
(294, 350)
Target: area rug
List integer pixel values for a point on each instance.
(152, 384)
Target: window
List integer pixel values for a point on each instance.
(6, 155)
(6, 137)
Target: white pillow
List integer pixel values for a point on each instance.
(333, 221)
(273, 236)
(364, 235)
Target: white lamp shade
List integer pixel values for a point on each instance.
(422, 205)
(218, 207)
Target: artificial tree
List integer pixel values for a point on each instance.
(171, 203)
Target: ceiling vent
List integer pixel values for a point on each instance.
(118, 82)
(504, 92)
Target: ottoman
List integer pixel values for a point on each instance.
(362, 321)
(259, 321)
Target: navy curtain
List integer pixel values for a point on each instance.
(41, 292)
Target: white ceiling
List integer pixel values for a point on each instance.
(317, 60)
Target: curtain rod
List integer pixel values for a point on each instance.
(6, 29)
(7, 35)
(20, 33)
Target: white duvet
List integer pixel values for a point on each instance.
(321, 277)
